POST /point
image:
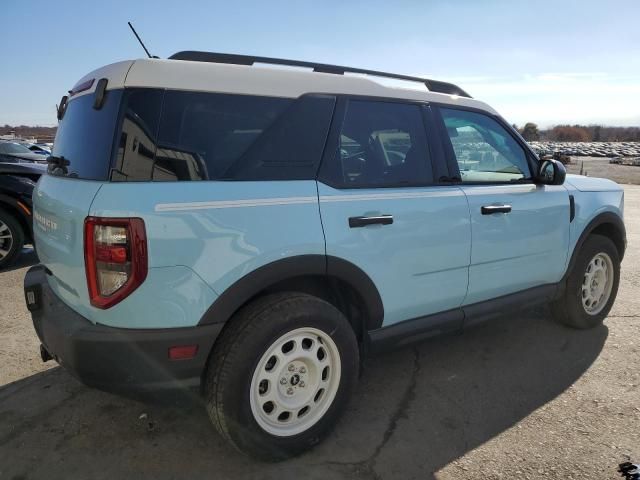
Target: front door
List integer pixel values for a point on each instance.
(381, 210)
(519, 230)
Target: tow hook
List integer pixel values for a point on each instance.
(44, 354)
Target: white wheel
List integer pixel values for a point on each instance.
(597, 283)
(295, 382)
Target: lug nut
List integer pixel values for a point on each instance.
(291, 368)
(302, 384)
(283, 381)
(289, 391)
(303, 370)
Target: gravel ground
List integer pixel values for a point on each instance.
(518, 398)
(600, 167)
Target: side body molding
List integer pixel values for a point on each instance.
(289, 268)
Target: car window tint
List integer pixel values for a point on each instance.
(8, 147)
(85, 137)
(136, 150)
(291, 149)
(484, 149)
(201, 135)
(381, 144)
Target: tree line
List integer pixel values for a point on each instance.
(579, 133)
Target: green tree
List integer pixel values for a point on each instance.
(530, 132)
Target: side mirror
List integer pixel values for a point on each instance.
(551, 172)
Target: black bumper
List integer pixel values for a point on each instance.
(114, 359)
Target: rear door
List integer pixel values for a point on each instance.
(382, 210)
(520, 230)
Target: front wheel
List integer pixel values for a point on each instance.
(281, 375)
(592, 285)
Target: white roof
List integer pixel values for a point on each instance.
(256, 80)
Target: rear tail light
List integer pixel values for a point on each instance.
(115, 255)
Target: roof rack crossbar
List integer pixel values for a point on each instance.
(229, 58)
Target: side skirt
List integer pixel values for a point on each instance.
(418, 329)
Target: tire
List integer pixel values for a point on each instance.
(11, 238)
(254, 364)
(577, 308)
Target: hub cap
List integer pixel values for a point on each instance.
(597, 283)
(6, 240)
(295, 382)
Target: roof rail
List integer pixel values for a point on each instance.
(229, 58)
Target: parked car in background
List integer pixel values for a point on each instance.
(18, 152)
(17, 181)
(39, 148)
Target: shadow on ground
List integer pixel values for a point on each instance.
(415, 411)
(26, 258)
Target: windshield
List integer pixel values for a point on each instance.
(7, 147)
(85, 137)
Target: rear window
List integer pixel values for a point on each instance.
(176, 136)
(85, 137)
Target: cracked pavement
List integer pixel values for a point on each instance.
(519, 397)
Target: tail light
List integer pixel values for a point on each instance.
(115, 255)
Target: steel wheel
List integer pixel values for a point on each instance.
(295, 382)
(597, 283)
(6, 240)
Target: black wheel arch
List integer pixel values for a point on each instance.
(298, 273)
(607, 224)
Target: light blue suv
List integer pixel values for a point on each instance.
(256, 230)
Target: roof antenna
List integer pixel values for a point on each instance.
(140, 40)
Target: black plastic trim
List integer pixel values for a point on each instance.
(114, 359)
(234, 59)
(260, 279)
(418, 329)
(415, 330)
(601, 219)
(500, 306)
(572, 208)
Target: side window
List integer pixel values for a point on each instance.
(291, 149)
(202, 135)
(381, 144)
(484, 149)
(136, 148)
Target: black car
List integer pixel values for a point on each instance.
(18, 177)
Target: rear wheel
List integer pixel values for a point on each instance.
(281, 374)
(591, 286)
(11, 238)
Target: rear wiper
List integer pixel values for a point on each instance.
(58, 161)
(57, 165)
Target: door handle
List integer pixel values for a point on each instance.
(356, 222)
(491, 209)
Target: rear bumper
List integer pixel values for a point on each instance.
(114, 359)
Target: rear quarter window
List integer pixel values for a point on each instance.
(190, 136)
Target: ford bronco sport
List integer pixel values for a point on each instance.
(214, 221)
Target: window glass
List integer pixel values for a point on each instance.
(137, 145)
(85, 137)
(8, 147)
(291, 149)
(201, 135)
(484, 149)
(381, 144)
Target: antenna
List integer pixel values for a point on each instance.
(140, 40)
